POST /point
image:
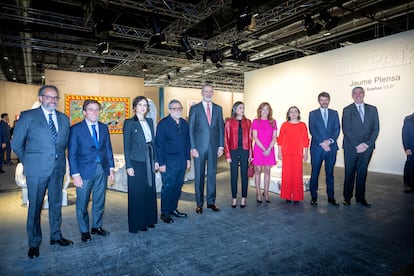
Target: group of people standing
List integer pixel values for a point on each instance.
(360, 126)
(42, 135)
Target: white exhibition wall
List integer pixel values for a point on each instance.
(384, 67)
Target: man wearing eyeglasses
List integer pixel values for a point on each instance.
(172, 148)
(39, 140)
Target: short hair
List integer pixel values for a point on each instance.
(4, 115)
(88, 102)
(174, 102)
(324, 95)
(206, 84)
(287, 113)
(44, 87)
(234, 108)
(137, 99)
(358, 87)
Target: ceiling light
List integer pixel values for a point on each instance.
(330, 21)
(144, 68)
(103, 47)
(311, 27)
(189, 51)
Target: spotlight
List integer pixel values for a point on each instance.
(103, 47)
(189, 52)
(103, 26)
(330, 21)
(144, 68)
(158, 37)
(237, 53)
(216, 56)
(246, 21)
(311, 27)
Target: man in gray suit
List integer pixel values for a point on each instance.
(39, 140)
(360, 126)
(207, 144)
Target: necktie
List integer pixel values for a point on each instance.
(325, 117)
(95, 135)
(208, 114)
(52, 127)
(361, 113)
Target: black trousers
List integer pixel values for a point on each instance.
(239, 156)
(409, 172)
(356, 169)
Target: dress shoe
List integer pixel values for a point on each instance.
(100, 231)
(363, 202)
(199, 210)
(333, 202)
(234, 203)
(408, 190)
(347, 202)
(288, 201)
(62, 242)
(178, 214)
(166, 218)
(213, 207)
(1, 171)
(143, 229)
(86, 237)
(33, 252)
(313, 202)
(296, 201)
(151, 226)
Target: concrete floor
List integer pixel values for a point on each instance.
(263, 239)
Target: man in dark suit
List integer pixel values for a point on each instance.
(2, 146)
(39, 140)
(207, 144)
(90, 162)
(360, 126)
(408, 143)
(172, 147)
(6, 152)
(324, 128)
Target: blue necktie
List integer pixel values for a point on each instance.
(95, 135)
(325, 117)
(52, 127)
(361, 113)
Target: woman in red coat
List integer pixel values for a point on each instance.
(237, 148)
(293, 143)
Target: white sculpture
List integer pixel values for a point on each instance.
(20, 179)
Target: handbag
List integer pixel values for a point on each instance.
(250, 170)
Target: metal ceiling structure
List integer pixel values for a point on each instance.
(183, 43)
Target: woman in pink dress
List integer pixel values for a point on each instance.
(264, 130)
(293, 143)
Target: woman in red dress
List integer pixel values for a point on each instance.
(293, 143)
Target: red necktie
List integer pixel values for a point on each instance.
(208, 114)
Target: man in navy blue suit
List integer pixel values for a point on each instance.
(90, 162)
(172, 147)
(324, 128)
(207, 144)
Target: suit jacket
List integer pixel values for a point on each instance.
(34, 145)
(408, 132)
(3, 138)
(203, 135)
(320, 133)
(6, 131)
(82, 151)
(355, 132)
(135, 146)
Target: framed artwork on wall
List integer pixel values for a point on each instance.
(114, 110)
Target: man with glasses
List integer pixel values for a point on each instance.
(39, 140)
(172, 148)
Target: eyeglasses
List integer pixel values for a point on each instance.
(176, 108)
(51, 98)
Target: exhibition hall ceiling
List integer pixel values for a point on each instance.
(183, 43)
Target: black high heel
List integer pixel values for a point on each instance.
(267, 200)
